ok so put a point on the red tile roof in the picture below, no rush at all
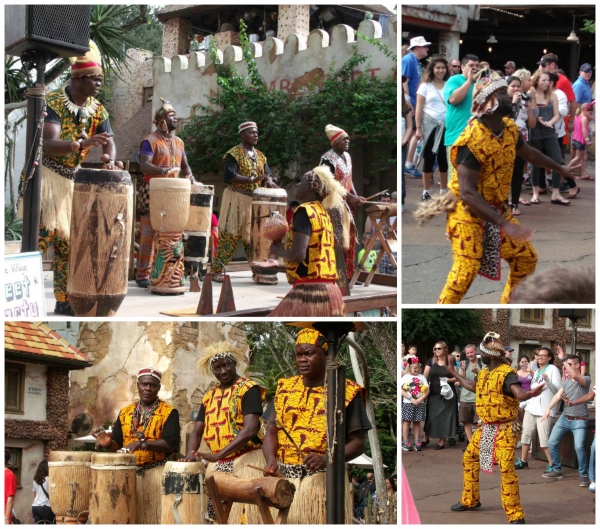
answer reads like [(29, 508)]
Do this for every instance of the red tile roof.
[(40, 341)]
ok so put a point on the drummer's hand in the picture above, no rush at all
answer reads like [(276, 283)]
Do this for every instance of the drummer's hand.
[(110, 166), (98, 140), (272, 468), (354, 200), (315, 461), (270, 183), (103, 438), (173, 172), (190, 457), (211, 458), (132, 447)]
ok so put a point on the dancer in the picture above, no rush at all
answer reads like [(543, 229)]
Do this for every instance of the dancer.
[(498, 393), (481, 228)]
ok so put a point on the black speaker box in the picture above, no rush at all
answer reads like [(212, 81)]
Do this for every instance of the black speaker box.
[(572, 313), (60, 30)]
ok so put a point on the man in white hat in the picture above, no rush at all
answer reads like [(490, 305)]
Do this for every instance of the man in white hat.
[(509, 69), (412, 70)]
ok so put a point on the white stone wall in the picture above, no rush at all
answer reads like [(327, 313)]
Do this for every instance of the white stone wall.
[(35, 394)]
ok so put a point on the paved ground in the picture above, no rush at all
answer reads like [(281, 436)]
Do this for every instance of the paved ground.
[(564, 236), (139, 303), (435, 479)]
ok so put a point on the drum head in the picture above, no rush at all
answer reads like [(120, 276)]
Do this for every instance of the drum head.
[(102, 176)]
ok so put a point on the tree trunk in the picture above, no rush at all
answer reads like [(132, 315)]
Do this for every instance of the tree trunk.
[(387, 346), (373, 437)]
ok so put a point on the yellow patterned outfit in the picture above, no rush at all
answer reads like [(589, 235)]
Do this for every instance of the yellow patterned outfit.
[(315, 291), (466, 230), (236, 210), (494, 407), (58, 173)]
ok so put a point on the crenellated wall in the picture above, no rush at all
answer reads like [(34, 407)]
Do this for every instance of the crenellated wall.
[(290, 66)]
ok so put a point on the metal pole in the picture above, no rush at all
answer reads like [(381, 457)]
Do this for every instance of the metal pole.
[(330, 489), (32, 198), (574, 336), (339, 459)]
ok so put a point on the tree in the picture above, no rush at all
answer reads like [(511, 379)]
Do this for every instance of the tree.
[(423, 327)]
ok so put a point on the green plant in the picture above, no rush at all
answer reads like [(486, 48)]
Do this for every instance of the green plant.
[(13, 225), (15, 79)]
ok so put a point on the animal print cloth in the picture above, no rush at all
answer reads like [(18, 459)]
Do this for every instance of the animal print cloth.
[(492, 240), (487, 446)]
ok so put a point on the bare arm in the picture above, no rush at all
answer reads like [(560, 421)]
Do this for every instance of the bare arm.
[(581, 400), (461, 92), (409, 129), (419, 116), (297, 252), (575, 374), (54, 146), (471, 385), (270, 447), (538, 159), (553, 403), (10, 503), (518, 392)]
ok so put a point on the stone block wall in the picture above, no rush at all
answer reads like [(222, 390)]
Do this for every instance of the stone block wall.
[(293, 19), (176, 37)]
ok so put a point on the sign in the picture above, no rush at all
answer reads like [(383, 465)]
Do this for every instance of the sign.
[(24, 286), (35, 391)]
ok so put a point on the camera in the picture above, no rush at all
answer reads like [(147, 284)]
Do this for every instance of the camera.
[(525, 97)]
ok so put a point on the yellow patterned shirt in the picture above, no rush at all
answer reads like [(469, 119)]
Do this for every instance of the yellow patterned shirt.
[(224, 416), (320, 263), (492, 405), (301, 410), (70, 129), (247, 167), (153, 431), (495, 155)]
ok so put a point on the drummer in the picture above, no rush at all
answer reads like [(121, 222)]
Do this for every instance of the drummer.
[(246, 169), (75, 121), (228, 418), (162, 155), (309, 253), (299, 407), (150, 429)]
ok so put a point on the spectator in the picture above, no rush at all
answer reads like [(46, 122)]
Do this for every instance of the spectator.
[(441, 411), (560, 353), (412, 70), (458, 93), (509, 69), (581, 138), (547, 374), (581, 87), (406, 131), (414, 388), (10, 489), (42, 513), (484, 65), (386, 198), (508, 351), (430, 117), (394, 197), (543, 136), (412, 353), (371, 258), (469, 368), (454, 67), (573, 419)]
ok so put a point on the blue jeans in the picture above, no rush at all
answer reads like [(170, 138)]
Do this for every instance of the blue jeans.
[(593, 461), (579, 429)]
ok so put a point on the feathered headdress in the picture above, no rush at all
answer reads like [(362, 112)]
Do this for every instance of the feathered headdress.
[(217, 351)]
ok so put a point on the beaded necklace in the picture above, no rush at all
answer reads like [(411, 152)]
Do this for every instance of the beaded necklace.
[(141, 417)]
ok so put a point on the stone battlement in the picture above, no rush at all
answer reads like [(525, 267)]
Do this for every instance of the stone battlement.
[(187, 80)]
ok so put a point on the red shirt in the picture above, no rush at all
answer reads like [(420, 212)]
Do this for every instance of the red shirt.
[(10, 486), (565, 85)]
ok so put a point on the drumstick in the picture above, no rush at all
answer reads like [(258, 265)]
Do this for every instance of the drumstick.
[(377, 194), (274, 474), (380, 203), (287, 434)]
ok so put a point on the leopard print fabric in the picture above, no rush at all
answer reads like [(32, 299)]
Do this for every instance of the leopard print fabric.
[(490, 260), (295, 471), (62, 170), (221, 466), (487, 445)]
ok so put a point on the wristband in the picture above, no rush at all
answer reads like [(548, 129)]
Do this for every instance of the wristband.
[(164, 171)]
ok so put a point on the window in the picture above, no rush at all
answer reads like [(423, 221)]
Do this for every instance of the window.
[(527, 349), (15, 463), (14, 388), (532, 316)]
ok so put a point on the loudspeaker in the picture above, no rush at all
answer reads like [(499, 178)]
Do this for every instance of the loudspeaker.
[(61, 30), (572, 313)]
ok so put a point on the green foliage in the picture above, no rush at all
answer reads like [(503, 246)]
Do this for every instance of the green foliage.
[(423, 327), (291, 126), (13, 226), (15, 79), (589, 26), (87, 447), (378, 44), (148, 36)]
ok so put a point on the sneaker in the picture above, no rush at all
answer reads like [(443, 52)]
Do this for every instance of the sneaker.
[(426, 196), (406, 446), (548, 468), (585, 482), (592, 486), (403, 208), (552, 474), (419, 448), (412, 171), (519, 464)]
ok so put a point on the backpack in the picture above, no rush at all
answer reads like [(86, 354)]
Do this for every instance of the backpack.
[(363, 491)]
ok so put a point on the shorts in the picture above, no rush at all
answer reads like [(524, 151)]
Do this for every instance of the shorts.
[(467, 413), (413, 413), (530, 423), (577, 145)]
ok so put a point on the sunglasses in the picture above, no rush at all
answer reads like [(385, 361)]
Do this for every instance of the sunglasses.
[(455, 65), (437, 348)]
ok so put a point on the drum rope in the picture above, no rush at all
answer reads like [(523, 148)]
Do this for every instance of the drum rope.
[(332, 363), (36, 92)]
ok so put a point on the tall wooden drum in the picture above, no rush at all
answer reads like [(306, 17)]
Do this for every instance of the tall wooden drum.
[(197, 231), (183, 498), (169, 213), (264, 202), (69, 486), (113, 491), (101, 218)]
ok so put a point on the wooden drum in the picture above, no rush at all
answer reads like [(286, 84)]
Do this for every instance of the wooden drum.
[(169, 204), (113, 491), (264, 202), (101, 220), (69, 491), (197, 231), (183, 498)]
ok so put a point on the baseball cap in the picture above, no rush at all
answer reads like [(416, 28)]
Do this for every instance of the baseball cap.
[(508, 348), (418, 41), (510, 64), (549, 57), (585, 67)]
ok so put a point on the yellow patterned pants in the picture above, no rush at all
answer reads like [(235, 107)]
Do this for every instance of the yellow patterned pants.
[(226, 248), (60, 263), (509, 490), (466, 234)]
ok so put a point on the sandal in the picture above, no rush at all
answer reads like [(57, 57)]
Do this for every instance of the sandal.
[(560, 201), (574, 195), (515, 211), (587, 178), (524, 202), (534, 201)]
